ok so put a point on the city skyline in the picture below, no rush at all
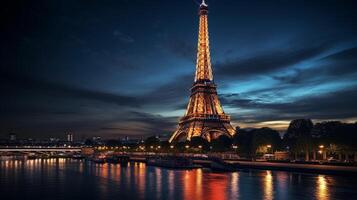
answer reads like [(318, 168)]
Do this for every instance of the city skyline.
[(99, 69)]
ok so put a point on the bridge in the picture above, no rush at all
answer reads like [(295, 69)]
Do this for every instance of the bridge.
[(40, 149)]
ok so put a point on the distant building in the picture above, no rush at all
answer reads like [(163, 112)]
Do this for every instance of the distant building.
[(69, 137), (281, 155), (12, 136), (54, 140), (96, 138), (128, 141)]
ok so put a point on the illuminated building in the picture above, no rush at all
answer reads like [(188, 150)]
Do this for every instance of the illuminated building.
[(204, 116), (69, 137)]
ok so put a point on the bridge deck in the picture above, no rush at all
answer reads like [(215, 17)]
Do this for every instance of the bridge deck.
[(47, 149)]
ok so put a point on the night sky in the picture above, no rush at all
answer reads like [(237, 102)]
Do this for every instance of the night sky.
[(124, 67)]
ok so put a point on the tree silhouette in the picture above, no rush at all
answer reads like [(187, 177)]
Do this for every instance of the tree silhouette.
[(199, 141), (222, 143), (298, 137)]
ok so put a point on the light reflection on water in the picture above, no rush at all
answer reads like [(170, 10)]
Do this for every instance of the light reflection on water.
[(234, 186), (73, 179), (268, 186), (171, 184), (322, 192)]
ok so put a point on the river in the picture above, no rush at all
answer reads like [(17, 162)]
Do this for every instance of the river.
[(66, 179)]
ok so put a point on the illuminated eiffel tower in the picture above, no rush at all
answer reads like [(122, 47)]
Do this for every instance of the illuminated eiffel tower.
[(204, 116)]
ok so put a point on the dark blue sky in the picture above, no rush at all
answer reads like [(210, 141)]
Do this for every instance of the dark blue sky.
[(124, 67)]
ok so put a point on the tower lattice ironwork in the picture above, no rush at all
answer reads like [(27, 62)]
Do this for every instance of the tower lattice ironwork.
[(204, 116)]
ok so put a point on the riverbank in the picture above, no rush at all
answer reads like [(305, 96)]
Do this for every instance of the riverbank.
[(291, 167)]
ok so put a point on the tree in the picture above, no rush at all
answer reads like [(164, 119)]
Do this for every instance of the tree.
[(152, 141), (243, 139), (298, 137), (88, 142), (339, 138), (250, 140), (222, 143), (199, 141), (113, 143), (266, 137)]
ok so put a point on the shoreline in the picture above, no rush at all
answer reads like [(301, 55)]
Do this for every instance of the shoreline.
[(290, 167), (276, 166)]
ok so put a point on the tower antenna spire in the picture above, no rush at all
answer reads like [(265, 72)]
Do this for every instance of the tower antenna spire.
[(203, 3)]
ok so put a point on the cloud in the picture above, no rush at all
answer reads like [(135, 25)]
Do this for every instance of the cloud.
[(142, 124), (267, 62), (171, 93), (124, 38), (334, 105), (16, 83), (41, 108), (346, 54), (337, 65)]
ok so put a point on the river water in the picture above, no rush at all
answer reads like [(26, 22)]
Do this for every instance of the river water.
[(68, 179)]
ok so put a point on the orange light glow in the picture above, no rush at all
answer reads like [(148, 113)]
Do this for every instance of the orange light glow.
[(322, 188)]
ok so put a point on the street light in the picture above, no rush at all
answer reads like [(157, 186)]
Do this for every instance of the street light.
[(187, 146), (172, 146), (200, 146), (268, 148), (235, 147), (321, 151)]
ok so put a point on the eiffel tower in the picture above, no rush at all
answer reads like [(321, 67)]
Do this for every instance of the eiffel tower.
[(204, 116)]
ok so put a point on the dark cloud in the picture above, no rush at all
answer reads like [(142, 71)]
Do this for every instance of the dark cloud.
[(335, 105), (123, 37), (43, 109), (136, 123), (337, 65), (85, 118), (267, 62), (344, 55), (14, 83), (171, 93), (341, 63), (141, 124)]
